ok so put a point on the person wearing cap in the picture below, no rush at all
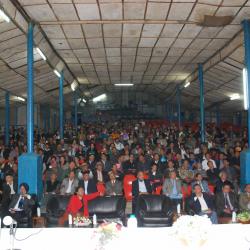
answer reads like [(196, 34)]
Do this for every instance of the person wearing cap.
[(89, 185), (21, 204)]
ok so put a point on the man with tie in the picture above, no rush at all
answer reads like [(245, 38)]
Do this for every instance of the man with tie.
[(202, 204), (203, 183), (226, 201), (113, 187), (139, 187), (172, 189), (87, 184), (21, 204)]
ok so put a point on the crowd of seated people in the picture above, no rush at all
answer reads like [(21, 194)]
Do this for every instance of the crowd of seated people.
[(163, 160)]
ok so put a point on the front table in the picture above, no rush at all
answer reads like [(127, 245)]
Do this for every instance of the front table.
[(230, 237)]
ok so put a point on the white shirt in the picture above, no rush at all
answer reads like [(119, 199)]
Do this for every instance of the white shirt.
[(203, 203), (86, 187), (16, 206), (99, 176), (12, 191), (205, 166), (142, 187), (69, 186)]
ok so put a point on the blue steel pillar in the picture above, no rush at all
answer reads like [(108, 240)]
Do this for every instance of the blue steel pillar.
[(202, 111), (7, 118), (245, 155), (16, 117), (75, 110), (61, 105), (30, 164), (178, 99)]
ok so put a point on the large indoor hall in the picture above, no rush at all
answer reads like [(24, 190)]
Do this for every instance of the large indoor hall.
[(124, 124)]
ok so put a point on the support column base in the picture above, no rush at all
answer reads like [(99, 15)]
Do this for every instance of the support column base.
[(30, 172)]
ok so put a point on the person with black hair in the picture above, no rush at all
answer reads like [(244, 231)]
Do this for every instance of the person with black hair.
[(21, 204)]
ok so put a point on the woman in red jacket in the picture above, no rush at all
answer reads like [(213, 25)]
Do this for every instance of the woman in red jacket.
[(78, 205)]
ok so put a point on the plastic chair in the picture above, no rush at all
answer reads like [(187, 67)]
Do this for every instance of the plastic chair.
[(158, 190), (101, 188), (127, 186)]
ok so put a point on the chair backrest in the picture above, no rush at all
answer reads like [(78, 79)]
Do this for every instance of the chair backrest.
[(152, 203), (106, 205), (101, 188), (58, 203), (158, 190), (127, 186), (211, 188)]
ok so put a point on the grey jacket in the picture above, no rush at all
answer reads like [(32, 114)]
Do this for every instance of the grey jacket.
[(65, 184), (167, 187), (114, 189)]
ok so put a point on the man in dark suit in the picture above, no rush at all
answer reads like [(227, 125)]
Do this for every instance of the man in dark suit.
[(87, 184), (129, 166), (113, 187), (8, 190), (226, 201), (21, 204), (139, 187), (202, 203)]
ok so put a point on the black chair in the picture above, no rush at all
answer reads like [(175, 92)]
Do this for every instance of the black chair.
[(108, 208), (154, 211), (104, 207), (56, 207)]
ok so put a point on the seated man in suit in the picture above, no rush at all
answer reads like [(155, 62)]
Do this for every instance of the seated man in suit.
[(100, 175), (244, 201), (212, 173), (201, 203), (89, 185), (21, 204), (139, 187), (9, 189), (226, 201), (172, 189), (203, 183), (113, 187), (69, 184)]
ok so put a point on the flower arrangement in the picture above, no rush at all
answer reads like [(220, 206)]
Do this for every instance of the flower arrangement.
[(105, 233), (244, 217), (80, 221), (192, 231)]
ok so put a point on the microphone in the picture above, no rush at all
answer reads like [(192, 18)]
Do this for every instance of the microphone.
[(8, 220)]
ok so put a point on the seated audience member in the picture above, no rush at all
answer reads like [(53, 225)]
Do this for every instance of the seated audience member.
[(129, 166), (212, 173), (99, 174), (89, 185), (172, 189), (155, 176), (197, 168), (69, 184), (21, 204), (229, 170), (9, 189), (78, 205), (244, 201), (170, 167), (226, 201), (206, 160), (203, 183), (202, 204), (84, 167), (117, 173), (106, 163), (143, 164), (186, 175), (139, 187), (113, 187), (52, 185), (222, 179)]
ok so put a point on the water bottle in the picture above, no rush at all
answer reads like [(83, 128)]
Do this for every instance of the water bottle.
[(233, 217), (94, 220), (70, 219), (38, 211), (132, 221)]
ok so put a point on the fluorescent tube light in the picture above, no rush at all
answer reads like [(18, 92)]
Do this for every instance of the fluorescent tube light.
[(100, 98), (41, 53), (124, 84), (245, 88), (57, 73), (187, 84), (4, 16)]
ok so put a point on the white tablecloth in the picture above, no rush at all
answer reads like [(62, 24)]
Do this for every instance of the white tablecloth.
[(230, 237)]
